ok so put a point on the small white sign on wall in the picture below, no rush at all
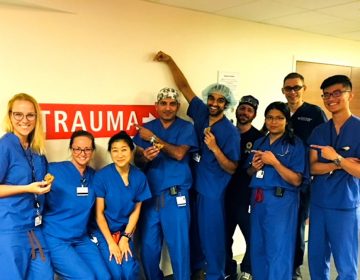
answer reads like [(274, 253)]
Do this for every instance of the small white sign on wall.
[(231, 80)]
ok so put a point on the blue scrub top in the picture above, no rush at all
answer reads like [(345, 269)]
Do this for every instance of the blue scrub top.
[(17, 212), (291, 156), (164, 171), (119, 199), (338, 190), (66, 215), (211, 180)]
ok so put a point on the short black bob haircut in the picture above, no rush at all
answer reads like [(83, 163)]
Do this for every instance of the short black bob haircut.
[(336, 79), (122, 135)]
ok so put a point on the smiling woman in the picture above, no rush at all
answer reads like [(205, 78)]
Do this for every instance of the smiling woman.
[(23, 167), (120, 190)]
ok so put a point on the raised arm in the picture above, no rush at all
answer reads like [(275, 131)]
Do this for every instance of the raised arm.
[(180, 80)]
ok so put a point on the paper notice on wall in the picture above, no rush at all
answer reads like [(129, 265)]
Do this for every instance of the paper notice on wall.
[(230, 79)]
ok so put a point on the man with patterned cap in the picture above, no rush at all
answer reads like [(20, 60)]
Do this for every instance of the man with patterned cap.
[(238, 192), (163, 147), (214, 164)]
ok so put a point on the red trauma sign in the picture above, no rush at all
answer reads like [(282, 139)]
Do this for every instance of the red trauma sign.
[(60, 120)]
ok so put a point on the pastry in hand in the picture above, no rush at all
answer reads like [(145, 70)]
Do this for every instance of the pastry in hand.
[(207, 129), (158, 145), (49, 178)]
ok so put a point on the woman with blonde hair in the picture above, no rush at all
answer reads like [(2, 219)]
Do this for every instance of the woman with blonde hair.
[(22, 185)]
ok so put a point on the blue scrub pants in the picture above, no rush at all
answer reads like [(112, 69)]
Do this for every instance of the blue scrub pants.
[(272, 235), (127, 270), (210, 213), (77, 259), (337, 232), (162, 218), (16, 261)]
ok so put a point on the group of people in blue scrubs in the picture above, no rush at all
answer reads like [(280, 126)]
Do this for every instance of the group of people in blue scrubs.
[(79, 224), (82, 224)]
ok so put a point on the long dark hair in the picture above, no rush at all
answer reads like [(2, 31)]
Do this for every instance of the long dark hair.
[(289, 136)]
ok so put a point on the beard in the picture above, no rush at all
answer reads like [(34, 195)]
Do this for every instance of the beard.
[(244, 120), (215, 113)]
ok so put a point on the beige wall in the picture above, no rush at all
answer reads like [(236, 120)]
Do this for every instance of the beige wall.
[(99, 51)]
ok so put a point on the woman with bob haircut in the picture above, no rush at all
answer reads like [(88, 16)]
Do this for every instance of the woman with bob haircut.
[(22, 185), (120, 189), (277, 168)]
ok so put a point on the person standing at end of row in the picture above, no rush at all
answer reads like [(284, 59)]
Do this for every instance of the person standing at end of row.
[(335, 190), (163, 148), (214, 164), (22, 171)]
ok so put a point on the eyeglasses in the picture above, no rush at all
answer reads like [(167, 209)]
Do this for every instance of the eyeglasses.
[(275, 119), (294, 88), (19, 116), (78, 151), (336, 93)]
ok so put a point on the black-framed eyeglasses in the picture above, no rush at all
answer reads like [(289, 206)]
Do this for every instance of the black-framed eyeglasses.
[(20, 115), (336, 93), (294, 88), (275, 119), (78, 151)]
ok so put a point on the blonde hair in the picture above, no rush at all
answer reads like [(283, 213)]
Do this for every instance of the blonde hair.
[(36, 138)]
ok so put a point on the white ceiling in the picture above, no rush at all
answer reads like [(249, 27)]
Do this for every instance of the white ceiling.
[(337, 18)]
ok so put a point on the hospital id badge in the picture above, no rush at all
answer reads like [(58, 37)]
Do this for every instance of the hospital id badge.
[(38, 220), (197, 157), (181, 201), (82, 191), (260, 174)]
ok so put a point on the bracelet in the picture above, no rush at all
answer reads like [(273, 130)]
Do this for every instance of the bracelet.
[(153, 139), (127, 235)]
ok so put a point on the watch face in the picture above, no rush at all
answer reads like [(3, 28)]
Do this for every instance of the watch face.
[(337, 161)]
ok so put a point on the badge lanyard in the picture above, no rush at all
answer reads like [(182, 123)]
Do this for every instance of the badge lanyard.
[(83, 190), (29, 159)]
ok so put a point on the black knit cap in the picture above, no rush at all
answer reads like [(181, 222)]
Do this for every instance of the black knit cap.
[(249, 100)]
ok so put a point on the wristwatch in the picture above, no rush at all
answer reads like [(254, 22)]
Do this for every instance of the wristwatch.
[(338, 160)]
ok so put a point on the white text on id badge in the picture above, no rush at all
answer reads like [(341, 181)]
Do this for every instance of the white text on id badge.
[(38, 220), (82, 191), (181, 200), (260, 174)]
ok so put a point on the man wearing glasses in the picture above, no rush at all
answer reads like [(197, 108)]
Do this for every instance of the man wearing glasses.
[(304, 118), (335, 190)]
